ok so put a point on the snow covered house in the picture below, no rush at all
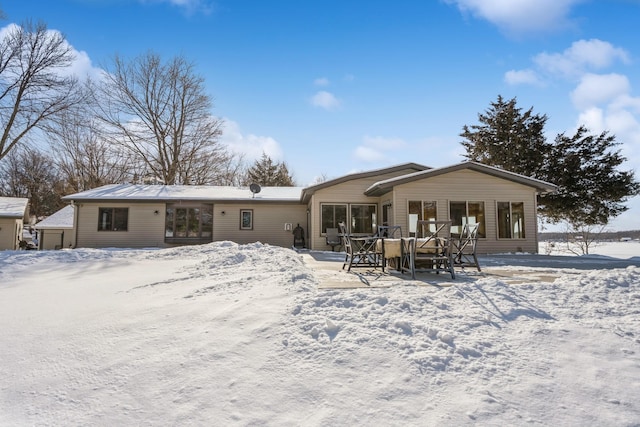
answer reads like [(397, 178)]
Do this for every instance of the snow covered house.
[(503, 203), (14, 213), (56, 231)]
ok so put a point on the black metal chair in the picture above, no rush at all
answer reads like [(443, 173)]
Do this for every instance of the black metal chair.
[(465, 247), (432, 248), (360, 251), (333, 239)]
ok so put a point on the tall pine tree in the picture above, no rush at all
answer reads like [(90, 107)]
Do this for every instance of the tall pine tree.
[(507, 138), (591, 188), (267, 173)]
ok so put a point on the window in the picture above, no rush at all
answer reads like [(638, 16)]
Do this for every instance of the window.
[(462, 213), (511, 220), (246, 219), (331, 215), (362, 218), (113, 219), (192, 223), (420, 211)]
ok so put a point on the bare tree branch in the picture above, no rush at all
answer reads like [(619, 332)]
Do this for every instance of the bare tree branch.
[(34, 88)]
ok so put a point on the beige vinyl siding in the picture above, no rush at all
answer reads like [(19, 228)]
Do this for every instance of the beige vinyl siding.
[(144, 229), (346, 193), (56, 238), (268, 222), (471, 186), (10, 230)]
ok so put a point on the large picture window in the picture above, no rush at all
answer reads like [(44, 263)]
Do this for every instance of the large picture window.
[(462, 213), (332, 215), (511, 220), (420, 210), (361, 219), (113, 219), (189, 223)]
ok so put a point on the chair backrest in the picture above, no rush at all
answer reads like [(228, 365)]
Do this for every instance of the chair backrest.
[(389, 231), (346, 241), (468, 238), (433, 234), (333, 236)]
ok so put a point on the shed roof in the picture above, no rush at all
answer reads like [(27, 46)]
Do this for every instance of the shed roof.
[(13, 207), (382, 187), (61, 219)]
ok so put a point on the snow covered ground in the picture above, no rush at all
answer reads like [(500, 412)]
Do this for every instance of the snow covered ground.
[(227, 334)]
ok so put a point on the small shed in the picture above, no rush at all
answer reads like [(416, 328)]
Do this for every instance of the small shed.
[(14, 212), (56, 231)]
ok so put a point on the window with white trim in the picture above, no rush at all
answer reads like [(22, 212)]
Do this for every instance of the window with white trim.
[(359, 218), (420, 210), (510, 220), (462, 213), (189, 222), (113, 219)]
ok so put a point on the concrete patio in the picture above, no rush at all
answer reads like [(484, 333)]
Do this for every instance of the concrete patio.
[(510, 268)]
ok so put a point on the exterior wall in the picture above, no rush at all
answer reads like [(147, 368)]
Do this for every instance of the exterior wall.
[(471, 186), (10, 232), (146, 229), (55, 238), (268, 222), (346, 192)]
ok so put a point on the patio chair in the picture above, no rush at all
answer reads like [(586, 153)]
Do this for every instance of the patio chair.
[(360, 251), (464, 248), (333, 239), (432, 248), (389, 231)]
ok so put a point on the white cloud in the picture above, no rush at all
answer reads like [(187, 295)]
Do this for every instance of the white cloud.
[(520, 16), (326, 100), (368, 154), (189, 6), (377, 148), (597, 89), (321, 81), (516, 77), (582, 56), (81, 66), (251, 146)]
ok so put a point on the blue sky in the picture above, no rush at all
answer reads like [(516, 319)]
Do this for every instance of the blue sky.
[(337, 86)]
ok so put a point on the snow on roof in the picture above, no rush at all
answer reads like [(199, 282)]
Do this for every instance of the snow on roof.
[(13, 207), (186, 192), (61, 219)]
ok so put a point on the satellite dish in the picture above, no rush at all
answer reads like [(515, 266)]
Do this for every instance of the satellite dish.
[(255, 189)]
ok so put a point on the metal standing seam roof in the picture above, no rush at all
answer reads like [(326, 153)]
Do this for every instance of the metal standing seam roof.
[(134, 192), (13, 207)]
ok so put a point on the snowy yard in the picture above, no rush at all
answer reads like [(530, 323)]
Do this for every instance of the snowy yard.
[(226, 334)]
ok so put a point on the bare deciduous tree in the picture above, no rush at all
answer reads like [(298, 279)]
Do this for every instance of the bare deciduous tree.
[(84, 158), (161, 112), (35, 85), (30, 173)]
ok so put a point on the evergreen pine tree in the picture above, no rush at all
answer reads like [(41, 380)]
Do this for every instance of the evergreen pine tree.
[(267, 173), (591, 189)]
